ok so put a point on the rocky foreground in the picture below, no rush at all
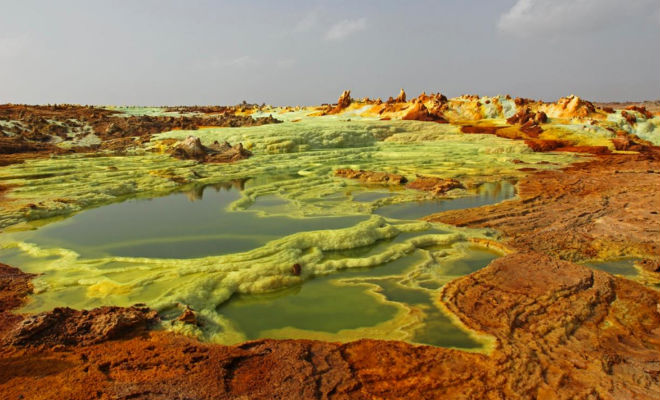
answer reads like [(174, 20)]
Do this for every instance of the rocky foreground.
[(562, 330)]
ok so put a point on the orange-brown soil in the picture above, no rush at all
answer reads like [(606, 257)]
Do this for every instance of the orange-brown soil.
[(530, 129), (14, 286), (599, 209)]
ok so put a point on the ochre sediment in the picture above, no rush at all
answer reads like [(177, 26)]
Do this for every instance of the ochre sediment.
[(602, 209)]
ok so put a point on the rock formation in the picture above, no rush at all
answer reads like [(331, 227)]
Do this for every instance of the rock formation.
[(343, 103), (434, 185), (371, 176), (344, 100), (192, 149), (570, 107), (640, 109), (188, 316), (401, 98), (419, 112)]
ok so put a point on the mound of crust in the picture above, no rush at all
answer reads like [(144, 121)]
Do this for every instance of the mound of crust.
[(192, 149), (371, 176), (570, 107), (435, 185)]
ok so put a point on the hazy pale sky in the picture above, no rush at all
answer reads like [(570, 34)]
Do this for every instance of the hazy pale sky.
[(306, 52)]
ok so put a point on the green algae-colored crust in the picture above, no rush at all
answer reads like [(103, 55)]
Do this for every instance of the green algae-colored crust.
[(206, 283), (310, 150), (292, 174)]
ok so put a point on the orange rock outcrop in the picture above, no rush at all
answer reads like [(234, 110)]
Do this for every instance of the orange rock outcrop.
[(371, 176)]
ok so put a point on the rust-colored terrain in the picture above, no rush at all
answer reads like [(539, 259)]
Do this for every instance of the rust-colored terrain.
[(561, 330), (604, 208), (35, 131)]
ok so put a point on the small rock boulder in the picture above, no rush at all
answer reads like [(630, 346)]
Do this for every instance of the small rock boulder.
[(188, 316)]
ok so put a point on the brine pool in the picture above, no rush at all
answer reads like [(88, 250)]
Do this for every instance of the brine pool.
[(375, 275)]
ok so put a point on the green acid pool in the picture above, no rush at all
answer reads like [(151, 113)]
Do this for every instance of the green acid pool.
[(363, 275), (625, 267)]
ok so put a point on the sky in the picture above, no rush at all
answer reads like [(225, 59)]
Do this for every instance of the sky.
[(289, 52)]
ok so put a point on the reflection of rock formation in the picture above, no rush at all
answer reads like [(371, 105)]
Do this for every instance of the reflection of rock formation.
[(197, 193), (490, 189)]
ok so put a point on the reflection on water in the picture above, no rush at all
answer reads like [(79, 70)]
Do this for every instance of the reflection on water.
[(197, 192), (625, 267), (352, 300), (486, 193), (370, 196), (396, 300), (195, 223)]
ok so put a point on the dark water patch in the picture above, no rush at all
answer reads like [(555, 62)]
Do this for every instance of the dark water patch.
[(193, 224), (625, 267), (347, 300), (486, 194), (320, 304), (367, 197)]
